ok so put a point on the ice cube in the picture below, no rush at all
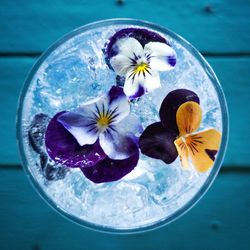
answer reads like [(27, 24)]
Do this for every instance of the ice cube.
[(37, 130), (51, 170)]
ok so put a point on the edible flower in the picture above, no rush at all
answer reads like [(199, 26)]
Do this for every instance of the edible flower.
[(140, 63), (93, 138), (176, 134)]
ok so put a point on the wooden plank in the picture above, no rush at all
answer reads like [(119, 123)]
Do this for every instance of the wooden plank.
[(212, 26), (233, 73), (219, 221), (13, 72), (234, 77)]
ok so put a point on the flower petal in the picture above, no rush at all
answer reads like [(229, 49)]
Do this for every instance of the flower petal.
[(152, 81), (116, 145), (137, 84), (133, 86), (188, 117), (129, 47), (158, 143), (162, 56), (109, 170), (121, 64), (81, 126), (82, 122), (183, 152), (118, 104), (170, 105), (142, 35), (202, 147), (63, 148)]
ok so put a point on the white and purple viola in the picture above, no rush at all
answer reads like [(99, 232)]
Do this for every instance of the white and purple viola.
[(139, 55)]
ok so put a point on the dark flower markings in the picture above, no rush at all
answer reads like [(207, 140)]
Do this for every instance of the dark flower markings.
[(134, 73), (137, 70), (98, 114), (193, 143)]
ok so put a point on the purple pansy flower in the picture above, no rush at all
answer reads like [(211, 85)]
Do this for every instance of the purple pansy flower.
[(93, 138), (140, 62), (157, 140)]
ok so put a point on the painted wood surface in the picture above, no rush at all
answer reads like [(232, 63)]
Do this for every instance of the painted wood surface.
[(215, 26), (13, 72), (219, 221)]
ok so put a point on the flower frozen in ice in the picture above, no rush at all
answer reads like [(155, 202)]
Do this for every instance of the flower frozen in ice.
[(140, 60), (96, 137), (176, 134)]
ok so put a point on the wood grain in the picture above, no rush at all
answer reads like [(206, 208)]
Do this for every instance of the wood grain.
[(215, 26), (222, 216), (232, 72)]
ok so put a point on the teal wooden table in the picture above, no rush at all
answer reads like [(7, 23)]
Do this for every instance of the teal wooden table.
[(220, 30)]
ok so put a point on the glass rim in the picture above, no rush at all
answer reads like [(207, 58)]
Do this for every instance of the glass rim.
[(219, 158)]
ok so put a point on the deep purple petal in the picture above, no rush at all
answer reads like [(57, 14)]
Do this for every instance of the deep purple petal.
[(115, 93), (111, 170), (170, 105), (158, 143), (63, 148), (142, 35)]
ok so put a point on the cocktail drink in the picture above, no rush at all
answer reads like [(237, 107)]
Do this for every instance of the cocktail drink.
[(122, 126)]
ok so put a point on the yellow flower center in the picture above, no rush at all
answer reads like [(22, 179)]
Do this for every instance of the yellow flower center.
[(140, 68), (103, 121)]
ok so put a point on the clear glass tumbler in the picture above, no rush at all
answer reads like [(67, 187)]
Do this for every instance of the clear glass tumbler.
[(73, 70)]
